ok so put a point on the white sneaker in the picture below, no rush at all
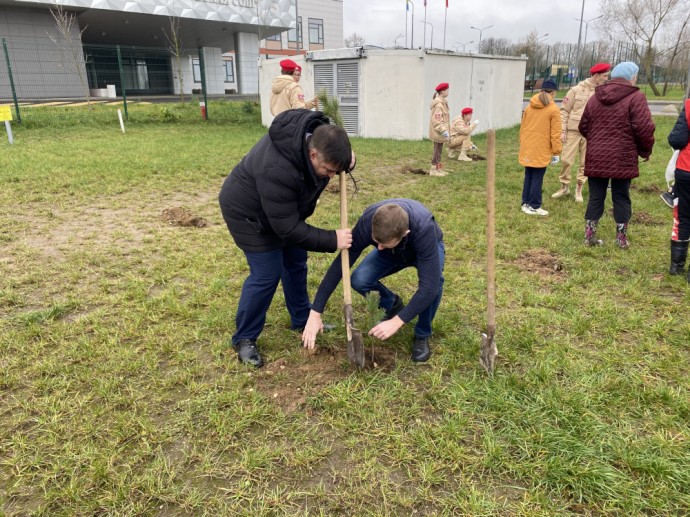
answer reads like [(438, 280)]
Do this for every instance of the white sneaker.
[(528, 210), (540, 211)]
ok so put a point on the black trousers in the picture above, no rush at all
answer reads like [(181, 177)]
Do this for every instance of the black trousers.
[(620, 194), (681, 208)]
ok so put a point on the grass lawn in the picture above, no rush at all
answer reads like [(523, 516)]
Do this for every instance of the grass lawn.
[(120, 394)]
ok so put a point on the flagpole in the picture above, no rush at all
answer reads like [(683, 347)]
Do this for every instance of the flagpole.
[(407, 9), (445, 20), (424, 25)]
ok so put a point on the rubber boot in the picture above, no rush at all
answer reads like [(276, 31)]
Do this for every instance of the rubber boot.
[(591, 233), (622, 236), (578, 193), (563, 191), (463, 156), (679, 253)]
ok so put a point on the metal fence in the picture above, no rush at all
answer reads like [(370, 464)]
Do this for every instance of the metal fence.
[(34, 70)]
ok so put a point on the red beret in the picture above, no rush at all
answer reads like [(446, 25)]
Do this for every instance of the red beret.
[(465, 111), (600, 68), (441, 87), (288, 65)]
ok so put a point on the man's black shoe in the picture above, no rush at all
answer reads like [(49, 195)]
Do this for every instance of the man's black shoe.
[(398, 305), (420, 349), (248, 352)]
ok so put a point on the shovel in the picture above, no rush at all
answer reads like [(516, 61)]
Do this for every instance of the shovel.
[(355, 345), (489, 351)]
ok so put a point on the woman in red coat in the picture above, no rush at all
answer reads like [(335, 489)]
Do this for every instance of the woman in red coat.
[(618, 127)]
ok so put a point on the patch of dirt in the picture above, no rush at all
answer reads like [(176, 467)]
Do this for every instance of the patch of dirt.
[(642, 217), (542, 262), (333, 187), (179, 216), (649, 189), (290, 383), (410, 170)]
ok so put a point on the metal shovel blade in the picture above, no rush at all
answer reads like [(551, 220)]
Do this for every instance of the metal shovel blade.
[(355, 343), (488, 352)]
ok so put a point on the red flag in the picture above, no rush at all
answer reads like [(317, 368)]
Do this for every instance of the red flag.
[(446, 4)]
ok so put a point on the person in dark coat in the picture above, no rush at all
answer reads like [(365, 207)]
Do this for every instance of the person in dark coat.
[(679, 139), (265, 202), (618, 127), (405, 234)]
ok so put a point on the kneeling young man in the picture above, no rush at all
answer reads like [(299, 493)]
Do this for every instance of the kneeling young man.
[(404, 234)]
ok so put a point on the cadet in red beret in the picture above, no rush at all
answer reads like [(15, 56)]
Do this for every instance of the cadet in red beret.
[(288, 65), (460, 130), (439, 127), (574, 143), (286, 93), (600, 68)]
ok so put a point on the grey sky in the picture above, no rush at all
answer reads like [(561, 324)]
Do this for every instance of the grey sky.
[(380, 21)]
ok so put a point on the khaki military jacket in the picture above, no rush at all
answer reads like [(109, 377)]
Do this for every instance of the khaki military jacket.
[(440, 120), (286, 94), (574, 103), (460, 132)]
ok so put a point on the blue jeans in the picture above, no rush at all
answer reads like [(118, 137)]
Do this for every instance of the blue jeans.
[(531, 188), (287, 265), (376, 265)]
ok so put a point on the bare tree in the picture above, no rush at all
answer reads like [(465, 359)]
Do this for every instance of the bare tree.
[(641, 23), (354, 40), (496, 47), (172, 35), (68, 41)]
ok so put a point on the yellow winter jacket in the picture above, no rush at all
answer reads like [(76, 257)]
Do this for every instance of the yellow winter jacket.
[(440, 120), (540, 133)]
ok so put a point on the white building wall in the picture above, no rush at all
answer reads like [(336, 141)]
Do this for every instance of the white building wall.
[(40, 67), (397, 86)]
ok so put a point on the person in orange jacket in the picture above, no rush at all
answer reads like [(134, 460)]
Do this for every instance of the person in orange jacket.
[(540, 144)]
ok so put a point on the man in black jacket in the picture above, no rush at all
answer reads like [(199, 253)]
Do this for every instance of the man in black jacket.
[(265, 202), (405, 234)]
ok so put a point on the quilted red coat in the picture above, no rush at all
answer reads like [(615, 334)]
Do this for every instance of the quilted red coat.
[(618, 127)]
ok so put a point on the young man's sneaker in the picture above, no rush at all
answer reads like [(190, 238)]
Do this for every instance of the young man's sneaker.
[(540, 211), (248, 352), (420, 349), (667, 198), (528, 210)]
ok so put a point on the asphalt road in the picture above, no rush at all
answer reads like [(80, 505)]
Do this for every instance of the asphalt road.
[(656, 107)]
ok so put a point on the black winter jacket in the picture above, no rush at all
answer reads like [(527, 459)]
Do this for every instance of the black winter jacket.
[(268, 195)]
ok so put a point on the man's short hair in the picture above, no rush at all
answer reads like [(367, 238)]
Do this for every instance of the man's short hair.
[(333, 144), (390, 222)]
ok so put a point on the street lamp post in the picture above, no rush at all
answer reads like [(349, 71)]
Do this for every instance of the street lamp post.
[(463, 45), (586, 22), (479, 45), (409, 2), (432, 33)]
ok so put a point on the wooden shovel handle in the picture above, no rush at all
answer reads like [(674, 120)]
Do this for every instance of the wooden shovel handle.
[(344, 255), (491, 230)]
